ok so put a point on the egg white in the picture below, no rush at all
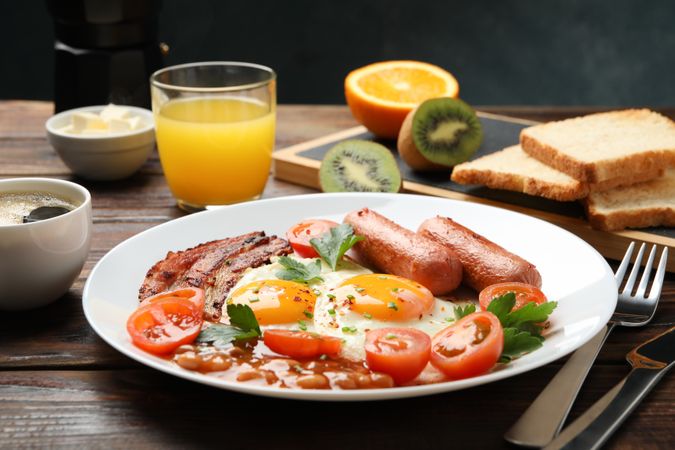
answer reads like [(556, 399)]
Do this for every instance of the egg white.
[(334, 319)]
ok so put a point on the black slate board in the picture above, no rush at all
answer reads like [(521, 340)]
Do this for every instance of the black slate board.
[(498, 134)]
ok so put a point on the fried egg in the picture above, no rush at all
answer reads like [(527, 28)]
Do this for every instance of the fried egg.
[(346, 303)]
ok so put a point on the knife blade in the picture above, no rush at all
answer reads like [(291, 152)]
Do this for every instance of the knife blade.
[(650, 361)]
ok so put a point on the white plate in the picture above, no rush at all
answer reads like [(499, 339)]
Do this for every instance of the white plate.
[(573, 273)]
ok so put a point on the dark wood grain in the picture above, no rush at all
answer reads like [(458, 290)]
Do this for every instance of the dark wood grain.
[(62, 386)]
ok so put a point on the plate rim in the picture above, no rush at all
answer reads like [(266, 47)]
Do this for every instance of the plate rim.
[(339, 395)]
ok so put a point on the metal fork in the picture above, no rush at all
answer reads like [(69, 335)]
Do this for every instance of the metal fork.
[(544, 418)]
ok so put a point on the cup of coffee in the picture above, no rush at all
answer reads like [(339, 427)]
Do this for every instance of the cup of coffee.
[(45, 233)]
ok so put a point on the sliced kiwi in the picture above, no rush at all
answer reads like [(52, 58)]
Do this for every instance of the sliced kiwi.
[(359, 166), (446, 131)]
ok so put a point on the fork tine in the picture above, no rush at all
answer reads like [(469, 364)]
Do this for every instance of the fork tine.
[(634, 272), (621, 271), (645, 275), (655, 291)]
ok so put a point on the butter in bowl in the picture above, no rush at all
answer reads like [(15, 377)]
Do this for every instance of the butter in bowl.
[(103, 143)]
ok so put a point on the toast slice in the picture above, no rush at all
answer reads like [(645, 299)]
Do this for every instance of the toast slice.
[(626, 145), (514, 170), (647, 204)]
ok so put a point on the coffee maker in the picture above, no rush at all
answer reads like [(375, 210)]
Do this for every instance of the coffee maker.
[(105, 51)]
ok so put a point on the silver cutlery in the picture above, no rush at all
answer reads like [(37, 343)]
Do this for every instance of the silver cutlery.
[(650, 362), (544, 418)]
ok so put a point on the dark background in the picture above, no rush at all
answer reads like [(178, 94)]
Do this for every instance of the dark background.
[(574, 52)]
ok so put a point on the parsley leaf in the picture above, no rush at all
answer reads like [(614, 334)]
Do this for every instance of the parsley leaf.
[(464, 311), (296, 271), (502, 305), (518, 343), (243, 325), (334, 244), (522, 332)]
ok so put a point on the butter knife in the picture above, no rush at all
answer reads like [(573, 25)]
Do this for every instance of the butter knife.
[(650, 361)]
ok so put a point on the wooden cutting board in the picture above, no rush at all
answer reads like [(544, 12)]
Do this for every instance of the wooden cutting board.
[(300, 163)]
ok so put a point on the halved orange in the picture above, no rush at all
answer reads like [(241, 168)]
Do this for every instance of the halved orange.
[(380, 95)]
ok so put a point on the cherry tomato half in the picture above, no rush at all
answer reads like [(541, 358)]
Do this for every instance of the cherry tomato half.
[(468, 348), (301, 344), (164, 325), (400, 352), (193, 294), (525, 293), (300, 234)]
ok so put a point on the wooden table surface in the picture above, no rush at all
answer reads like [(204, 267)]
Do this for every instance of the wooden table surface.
[(62, 386)]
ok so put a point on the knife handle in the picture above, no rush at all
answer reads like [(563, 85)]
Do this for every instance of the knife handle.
[(545, 416), (596, 425)]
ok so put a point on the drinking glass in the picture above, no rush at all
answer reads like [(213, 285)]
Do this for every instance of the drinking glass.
[(214, 123)]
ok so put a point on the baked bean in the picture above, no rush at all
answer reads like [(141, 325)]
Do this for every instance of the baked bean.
[(216, 363), (270, 376), (184, 349), (189, 361), (249, 375), (314, 381), (345, 380)]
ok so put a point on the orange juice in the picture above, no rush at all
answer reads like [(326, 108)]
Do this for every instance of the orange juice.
[(215, 150)]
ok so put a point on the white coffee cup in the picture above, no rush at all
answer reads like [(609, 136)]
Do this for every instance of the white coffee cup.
[(39, 261)]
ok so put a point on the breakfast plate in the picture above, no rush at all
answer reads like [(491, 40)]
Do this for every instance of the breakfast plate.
[(573, 274)]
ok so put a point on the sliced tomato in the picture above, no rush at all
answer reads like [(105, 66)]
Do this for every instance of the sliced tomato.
[(400, 352), (470, 347), (525, 293), (300, 234), (193, 294), (165, 324), (301, 344)]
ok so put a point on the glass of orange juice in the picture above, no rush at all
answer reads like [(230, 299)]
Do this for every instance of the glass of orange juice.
[(215, 130)]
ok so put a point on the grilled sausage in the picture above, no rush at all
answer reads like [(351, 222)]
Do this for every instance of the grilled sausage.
[(484, 262), (390, 248)]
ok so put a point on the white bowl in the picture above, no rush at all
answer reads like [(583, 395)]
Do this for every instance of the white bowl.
[(40, 260), (102, 157)]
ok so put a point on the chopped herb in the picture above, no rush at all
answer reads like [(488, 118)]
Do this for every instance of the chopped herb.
[(382, 277), (334, 244), (350, 297), (449, 319), (256, 290), (330, 296), (367, 316), (392, 305), (394, 289), (349, 329), (294, 270), (359, 289), (464, 311), (390, 336), (243, 325), (254, 300), (308, 314), (331, 312), (302, 325)]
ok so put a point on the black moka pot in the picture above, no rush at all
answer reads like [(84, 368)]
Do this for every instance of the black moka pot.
[(105, 51)]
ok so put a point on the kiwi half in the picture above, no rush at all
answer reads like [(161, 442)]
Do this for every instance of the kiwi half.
[(359, 166), (446, 131)]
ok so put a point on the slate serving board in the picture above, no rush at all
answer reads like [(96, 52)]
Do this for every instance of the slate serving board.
[(299, 164)]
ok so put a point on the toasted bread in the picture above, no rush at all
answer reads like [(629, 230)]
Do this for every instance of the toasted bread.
[(647, 204), (513, 170), (623, 145)]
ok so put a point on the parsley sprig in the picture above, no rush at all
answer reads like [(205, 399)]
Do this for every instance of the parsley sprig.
[(522, 329), (334, 244), (294, 270), (243, 325), (464, 311)]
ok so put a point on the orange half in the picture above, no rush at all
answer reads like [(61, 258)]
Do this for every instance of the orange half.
[(380, 95)]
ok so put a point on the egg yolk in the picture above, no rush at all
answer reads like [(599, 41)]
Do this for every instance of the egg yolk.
[(386, 297), (276, 301)]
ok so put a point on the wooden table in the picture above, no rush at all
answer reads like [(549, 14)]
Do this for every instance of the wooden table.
[(62, 386)]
